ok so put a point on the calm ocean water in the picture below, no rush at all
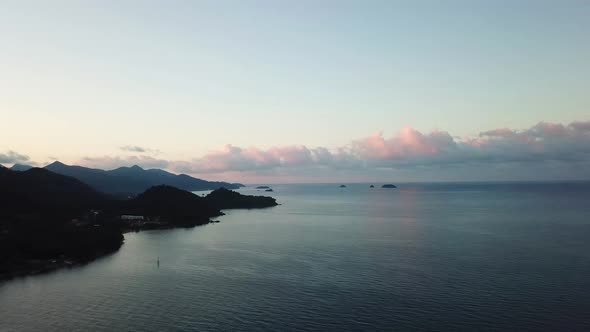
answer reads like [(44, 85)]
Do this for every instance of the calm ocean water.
[(438, 257)]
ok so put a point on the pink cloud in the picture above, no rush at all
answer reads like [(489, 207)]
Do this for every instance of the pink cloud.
[(408, 148), (406, 144)]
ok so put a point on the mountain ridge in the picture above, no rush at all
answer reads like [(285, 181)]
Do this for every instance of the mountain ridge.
[(20, 167), (133, 180)]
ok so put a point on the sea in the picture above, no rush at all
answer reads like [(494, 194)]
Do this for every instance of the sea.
[(422, 257)]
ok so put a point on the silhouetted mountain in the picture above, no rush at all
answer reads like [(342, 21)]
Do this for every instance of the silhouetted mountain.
[(39, 190), (172, 205), (99, 179), (37, 229), (160, 177), (228, 199), (388, 186), (134, 180), (20, 167)]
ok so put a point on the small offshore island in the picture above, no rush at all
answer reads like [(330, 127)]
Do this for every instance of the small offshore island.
[(49, 220)]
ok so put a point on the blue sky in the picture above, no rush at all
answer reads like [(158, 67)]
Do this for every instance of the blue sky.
[(183, 79)]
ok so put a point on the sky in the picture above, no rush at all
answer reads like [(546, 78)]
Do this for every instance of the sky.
[(300, 91)]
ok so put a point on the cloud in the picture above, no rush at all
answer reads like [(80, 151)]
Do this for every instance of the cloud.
[(544, 147), (500, 132), (133, 148), (581, 126), (112, 162), (409, 148), (406, 145), (138, 149), (11, 157), (233, 158), (542, 142)]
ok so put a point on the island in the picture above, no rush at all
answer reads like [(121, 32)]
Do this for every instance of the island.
[(263, 187), (371, 186), (49, 221), (342, 186), (269, 190), (389, 186)]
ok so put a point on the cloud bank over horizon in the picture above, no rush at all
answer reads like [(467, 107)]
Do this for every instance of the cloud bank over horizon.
[(409, 148), (560, 147), (553, 144)]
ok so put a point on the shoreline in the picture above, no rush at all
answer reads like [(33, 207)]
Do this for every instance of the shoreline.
[(36, 267), (75, 243)]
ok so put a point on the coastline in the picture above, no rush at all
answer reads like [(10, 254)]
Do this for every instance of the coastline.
[(35, 267), (45, 243)]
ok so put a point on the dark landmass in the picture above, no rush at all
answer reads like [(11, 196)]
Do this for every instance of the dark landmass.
[(261, 187), (342, 186), (48, 220), (20, 167), (171, 206), (133, 180), (39, 190), (388, 186), (228, 199), (269, 190), (39, 211), (371, 186)]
